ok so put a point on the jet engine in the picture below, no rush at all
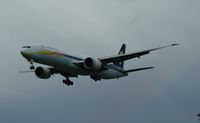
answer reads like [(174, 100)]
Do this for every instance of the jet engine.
[(43, 73), (92, 64)]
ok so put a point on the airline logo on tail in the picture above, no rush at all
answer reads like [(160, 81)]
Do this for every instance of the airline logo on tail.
[(121, 51)]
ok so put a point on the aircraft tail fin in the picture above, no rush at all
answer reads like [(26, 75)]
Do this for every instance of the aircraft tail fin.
[(121, 51)]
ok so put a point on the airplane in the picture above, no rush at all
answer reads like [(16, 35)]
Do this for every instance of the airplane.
[(58, 62)]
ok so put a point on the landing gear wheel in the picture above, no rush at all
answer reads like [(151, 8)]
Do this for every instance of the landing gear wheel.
[(68, 82), (32, 67), (71, 83)]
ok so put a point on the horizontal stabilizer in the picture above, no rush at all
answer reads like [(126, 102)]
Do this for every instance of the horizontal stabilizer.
[(28, 71), (138, 69)]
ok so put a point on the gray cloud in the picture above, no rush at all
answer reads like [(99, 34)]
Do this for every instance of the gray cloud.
[(168, 93)]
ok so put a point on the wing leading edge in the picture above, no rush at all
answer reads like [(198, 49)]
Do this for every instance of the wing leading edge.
[(127, 56)]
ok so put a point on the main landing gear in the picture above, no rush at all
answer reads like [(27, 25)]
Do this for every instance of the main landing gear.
[(68, 82), (95, 78)]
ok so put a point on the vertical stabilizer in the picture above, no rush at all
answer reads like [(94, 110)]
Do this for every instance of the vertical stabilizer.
[(121, 51)]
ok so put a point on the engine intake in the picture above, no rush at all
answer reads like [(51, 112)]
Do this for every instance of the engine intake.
[(42, 73), (92, 64)]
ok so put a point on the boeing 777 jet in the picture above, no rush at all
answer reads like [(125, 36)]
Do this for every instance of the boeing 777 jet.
[(111, 67)]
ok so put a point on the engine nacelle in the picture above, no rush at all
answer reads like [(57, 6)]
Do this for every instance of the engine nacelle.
[(92, 64), (42, 73)]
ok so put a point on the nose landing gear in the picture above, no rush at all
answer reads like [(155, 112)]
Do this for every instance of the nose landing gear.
[(68, 82), (32, 67)]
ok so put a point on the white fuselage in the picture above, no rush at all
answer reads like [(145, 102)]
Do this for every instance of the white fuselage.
[(65, 62)]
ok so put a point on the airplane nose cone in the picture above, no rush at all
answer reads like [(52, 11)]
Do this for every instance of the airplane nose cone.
[(25, 54)]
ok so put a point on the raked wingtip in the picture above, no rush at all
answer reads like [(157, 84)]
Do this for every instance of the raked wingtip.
[(174, 44)]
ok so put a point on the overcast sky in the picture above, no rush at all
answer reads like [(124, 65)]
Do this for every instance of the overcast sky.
[(167, 94)]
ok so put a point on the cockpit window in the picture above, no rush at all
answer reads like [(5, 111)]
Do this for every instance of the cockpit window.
[(26, 47)]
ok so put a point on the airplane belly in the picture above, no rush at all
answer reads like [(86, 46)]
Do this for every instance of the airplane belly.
[(56, 61), (111, 74)]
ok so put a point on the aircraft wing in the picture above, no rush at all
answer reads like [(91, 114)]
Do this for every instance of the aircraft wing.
[(57, 71), (127, 56), (53, 71), (138, 69)]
